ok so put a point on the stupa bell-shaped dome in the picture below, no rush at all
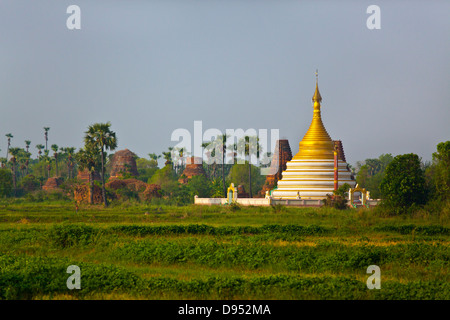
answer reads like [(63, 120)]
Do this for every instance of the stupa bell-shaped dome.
[(317, 143), (311, 172)]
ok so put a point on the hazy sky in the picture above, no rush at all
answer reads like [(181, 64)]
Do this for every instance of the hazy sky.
[(150, 67)]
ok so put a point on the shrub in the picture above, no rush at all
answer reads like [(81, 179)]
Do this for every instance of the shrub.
[(64, 236)]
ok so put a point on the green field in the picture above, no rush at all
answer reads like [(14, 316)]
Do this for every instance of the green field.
[(191, 252)]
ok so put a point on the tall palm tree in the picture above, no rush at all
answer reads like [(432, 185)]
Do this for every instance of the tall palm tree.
[(70, 152), (46, 136), (26, 157), (88, 158), (39, 147), (99, 135), (48, 161), (27, 144), (9, 136), (251, 146), (168, 156), (207, 145), (55, 155), (181, 153), (14, 152), (223, 139)]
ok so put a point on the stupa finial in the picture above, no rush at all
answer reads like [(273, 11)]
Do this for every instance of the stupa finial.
[(317, 97)]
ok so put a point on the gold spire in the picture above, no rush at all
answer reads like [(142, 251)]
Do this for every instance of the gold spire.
[(317, 97), (316, 144)]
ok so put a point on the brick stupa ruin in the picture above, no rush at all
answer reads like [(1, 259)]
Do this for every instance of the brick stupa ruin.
[(194, 167), (281, 156), (84, 175), (123, 163)]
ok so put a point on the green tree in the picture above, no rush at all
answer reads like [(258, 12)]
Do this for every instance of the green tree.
[(239, 175), (89, 158), (168, 157), (14, 153), (441, 177), (3, 162), (219, 146), (250, 146), (200, 186), (46, 129), (48, 162), (70, 160), (40, 147), (6, 182), (27, 145), (29, 183), (146, 168), (9, 136), (165, 177), (154, 159), (404, 182), (55, 155), (371, 173), (101, 137)]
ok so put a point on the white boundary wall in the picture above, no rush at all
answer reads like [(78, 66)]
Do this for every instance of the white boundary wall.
[(267, 202), (260, 202)]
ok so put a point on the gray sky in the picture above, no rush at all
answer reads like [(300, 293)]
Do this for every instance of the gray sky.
[(150, 67)]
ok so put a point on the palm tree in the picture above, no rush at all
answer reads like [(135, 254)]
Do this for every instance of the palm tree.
[(46, 136), (14, 152), (55, 155), (207, 145), (223, 139), (9, 136), (87, 158), (27, 157), (48, 161), (181, 154), (39, 147), (251, 146), (70, 152), (3, 162), (168, 156), (100, 136), (27, 144), (154, 157)]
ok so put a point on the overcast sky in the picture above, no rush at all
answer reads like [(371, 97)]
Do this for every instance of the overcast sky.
[(150, 67)]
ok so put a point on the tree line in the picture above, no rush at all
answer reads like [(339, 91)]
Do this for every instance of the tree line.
[(20, 174), (401, 181)]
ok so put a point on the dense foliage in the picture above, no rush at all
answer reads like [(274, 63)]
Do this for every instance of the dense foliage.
[(404, 182)]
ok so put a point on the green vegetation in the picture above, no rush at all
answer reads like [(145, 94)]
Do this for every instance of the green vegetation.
[(163, 247), (371, 173), (404, 182), (190, 252)]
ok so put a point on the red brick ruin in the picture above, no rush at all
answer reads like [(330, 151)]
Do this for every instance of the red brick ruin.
[(281, 156)]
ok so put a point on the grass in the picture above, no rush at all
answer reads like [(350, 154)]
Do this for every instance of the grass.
[(164, 252)]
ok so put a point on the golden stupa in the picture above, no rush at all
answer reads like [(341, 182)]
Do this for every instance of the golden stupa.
[(311, 172)]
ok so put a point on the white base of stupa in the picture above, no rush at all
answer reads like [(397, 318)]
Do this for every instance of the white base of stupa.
[(311, 179)]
